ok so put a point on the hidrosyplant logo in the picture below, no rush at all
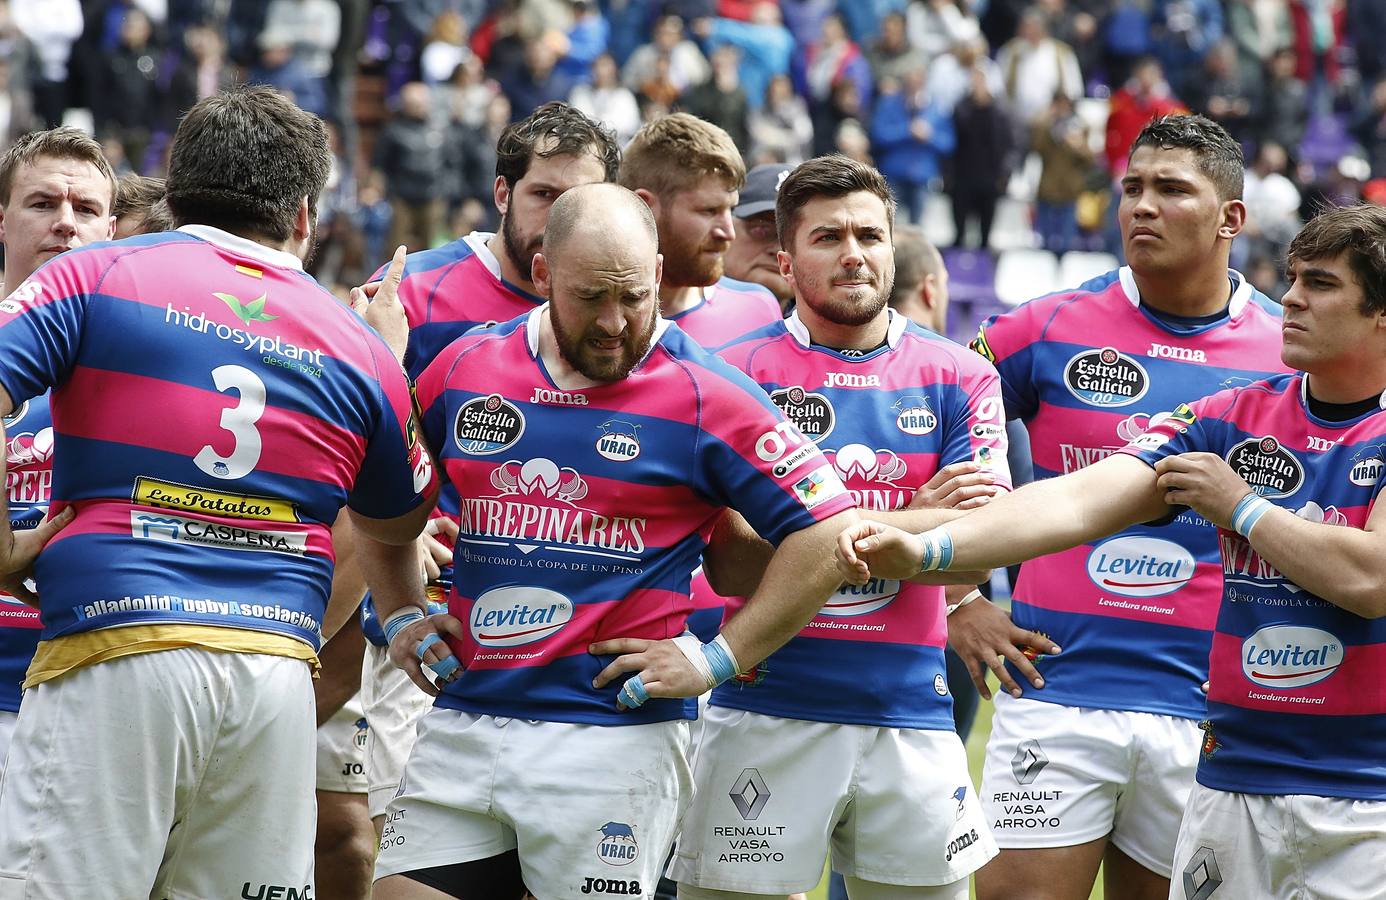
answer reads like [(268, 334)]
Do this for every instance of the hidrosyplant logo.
[(254, 311)]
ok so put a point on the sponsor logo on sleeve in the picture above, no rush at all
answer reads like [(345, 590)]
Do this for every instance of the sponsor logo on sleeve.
[(180, 530), (1105, 378), (24, 296), (1140, 566), (811, 413), (1290, 656), (818, 487), (486, 425), (171, 495), (517, 615), (1270, 469)]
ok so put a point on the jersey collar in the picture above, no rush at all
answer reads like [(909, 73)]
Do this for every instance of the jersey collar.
[(244, 246), (894, 329), (1304, 392), (1241, 294)]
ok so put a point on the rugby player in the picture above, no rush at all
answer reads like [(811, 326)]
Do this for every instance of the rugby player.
[(848, 727), (754, 252), (1290, 798), (586, 507), (56, 193), (689, 172), (214, 409), (1097, 766)]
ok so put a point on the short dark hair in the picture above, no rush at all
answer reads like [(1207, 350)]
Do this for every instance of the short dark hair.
[(242, 161), (826, 176), (136, 194), (554, 129), (1219, 156), (55, 143), (915, 260), (1360, 231)]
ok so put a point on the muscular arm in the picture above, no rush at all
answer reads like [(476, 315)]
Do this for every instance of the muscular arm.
[(1345, 566), (341, 669), (348, 584)]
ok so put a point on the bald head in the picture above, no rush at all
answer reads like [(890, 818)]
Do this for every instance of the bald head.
[(604, 215)]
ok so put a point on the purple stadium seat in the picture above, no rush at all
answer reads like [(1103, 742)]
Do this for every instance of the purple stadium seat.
[(1325, 141)]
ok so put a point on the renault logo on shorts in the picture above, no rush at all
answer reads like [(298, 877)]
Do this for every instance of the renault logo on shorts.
[(1201, 875), (749, 794), (1028, 762)]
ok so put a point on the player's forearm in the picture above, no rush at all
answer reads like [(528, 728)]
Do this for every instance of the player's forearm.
[(917, 520), (392, 573), (800, 578), (1345, 566), (348, 584), (341, 670)]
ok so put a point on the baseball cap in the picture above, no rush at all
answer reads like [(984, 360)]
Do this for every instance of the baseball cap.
[(762, 184)]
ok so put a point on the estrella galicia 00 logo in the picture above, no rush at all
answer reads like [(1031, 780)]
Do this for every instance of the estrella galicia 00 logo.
[(811, 413), (1270, 469), (617, 846), (487, 425), (1106, 378)]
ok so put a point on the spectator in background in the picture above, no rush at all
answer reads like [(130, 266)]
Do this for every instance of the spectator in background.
[(1366, 25), (981, 160), (754, 253), (416, 154), (892, 54), (1066, 162), (659, 95), (282, 70), (1286, 112), (477, 151), (538, 80), (722, 99), (138, 198), (465, 97), (1075, 22), (1318, 41), (51, 27), (310, 28), (937, 26), (201, 70), (910, 136), (686, 65), (765, 45), (1259, 28), (1125, 38), (1232, 95), (844, 104), (445, 48), (608, 101), (832, 58), (781, 130), (1184, 32), (1369, 126), (587, 39), (1035, 66), (1145, 97), (1272, 206), (127, 105), (950, 75)]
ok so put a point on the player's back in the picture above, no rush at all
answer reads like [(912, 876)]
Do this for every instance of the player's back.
[(216, 408)]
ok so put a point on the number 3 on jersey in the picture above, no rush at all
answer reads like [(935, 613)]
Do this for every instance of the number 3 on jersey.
[(240, 421)]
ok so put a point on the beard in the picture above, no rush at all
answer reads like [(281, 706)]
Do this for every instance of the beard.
[(521, 252), (862, 305), (574, 349), (688, 264)]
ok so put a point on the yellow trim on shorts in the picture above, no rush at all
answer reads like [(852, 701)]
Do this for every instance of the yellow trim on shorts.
[(59, 656)]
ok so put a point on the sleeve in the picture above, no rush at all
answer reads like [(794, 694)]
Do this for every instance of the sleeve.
[(1185, 430), (977, 425), (41, 328), (748, 457), (1007, 342), (431, 403), (397, 473)]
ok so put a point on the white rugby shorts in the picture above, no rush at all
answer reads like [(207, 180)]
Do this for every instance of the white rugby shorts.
[(1279, 847), (393, 706), (342, 750), (7, 722), (1057, 776), (592, 809), (771, 795), (184, 773)]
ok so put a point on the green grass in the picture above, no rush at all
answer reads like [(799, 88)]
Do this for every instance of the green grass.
[(976, 749)]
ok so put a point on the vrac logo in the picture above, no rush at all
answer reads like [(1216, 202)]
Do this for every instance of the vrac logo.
[(916, 415), (1367, 464), (1290, 656), (619, 440), (617, 846), (1184, 354), (1140, 566), (517, 615)]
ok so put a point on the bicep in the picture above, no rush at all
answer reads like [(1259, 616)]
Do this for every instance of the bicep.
[(1116, 492)]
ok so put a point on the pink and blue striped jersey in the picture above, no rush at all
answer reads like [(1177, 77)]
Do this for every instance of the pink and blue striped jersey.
[(584, 512), (28, 487), (451, 289), (887, 420), (1297, 686), (1088, 371), (728, 310), (213, 410)]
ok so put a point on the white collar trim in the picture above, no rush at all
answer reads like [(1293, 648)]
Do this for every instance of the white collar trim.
[(894, 329), (1241, 294), (244, 246)]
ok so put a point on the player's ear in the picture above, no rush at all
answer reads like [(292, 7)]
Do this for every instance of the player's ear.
[(1233, 219), (303, 220), (500, 194), (651, 200), (786, 265), (539, 275)]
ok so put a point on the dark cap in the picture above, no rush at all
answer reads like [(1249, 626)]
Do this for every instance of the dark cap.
[(762, 184)]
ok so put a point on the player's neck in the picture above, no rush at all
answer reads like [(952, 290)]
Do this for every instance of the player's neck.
[(510, 274), (844, 337), (1204, 293), (1347, 381), (677, 298)]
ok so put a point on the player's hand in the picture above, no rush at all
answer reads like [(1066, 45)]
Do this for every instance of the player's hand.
[(984, 637), (662, 667), (962, 485), (21, 548), (433, 553), (869, 550), (378, 302), (404, 649), (1204, 482)]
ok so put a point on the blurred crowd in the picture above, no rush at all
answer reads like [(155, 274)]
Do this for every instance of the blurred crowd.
[(995, 105)]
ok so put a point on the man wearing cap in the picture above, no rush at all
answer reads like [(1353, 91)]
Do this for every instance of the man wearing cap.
[(752, 255)]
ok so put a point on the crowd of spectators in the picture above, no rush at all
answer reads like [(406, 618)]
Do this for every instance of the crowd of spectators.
[(947, 97)]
